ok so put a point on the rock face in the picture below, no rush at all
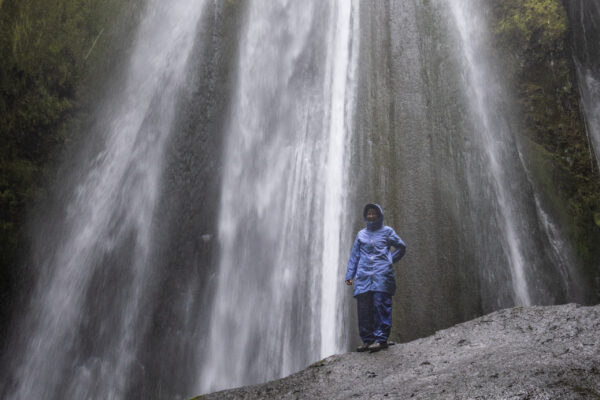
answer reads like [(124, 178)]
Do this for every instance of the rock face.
[(520, 353)]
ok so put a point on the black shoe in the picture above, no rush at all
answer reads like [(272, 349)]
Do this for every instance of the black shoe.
[(377, 346), (363, 347)]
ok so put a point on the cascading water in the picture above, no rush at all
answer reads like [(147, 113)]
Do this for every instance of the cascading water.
[(276, 305), (499, 149), (585, 22), (540, 263), (589, 87), (585, 18), (86, 317), (316, 117)]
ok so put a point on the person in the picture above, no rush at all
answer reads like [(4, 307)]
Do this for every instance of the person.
[(371, 272)]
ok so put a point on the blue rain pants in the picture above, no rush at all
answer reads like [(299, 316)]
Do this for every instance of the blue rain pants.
[(374, 316)]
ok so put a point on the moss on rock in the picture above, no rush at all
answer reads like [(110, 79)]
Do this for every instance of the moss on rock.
[(50, 54), (534, 36)]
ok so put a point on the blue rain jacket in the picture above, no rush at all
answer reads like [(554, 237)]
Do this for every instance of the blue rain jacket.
[(371, 259)]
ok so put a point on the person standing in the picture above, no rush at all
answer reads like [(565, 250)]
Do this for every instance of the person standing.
[(371, 272)]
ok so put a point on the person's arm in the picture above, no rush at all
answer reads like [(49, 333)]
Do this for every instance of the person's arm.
[(353, 262), (399, 246)]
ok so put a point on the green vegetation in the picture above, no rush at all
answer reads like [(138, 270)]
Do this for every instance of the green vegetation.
[(50, 52), (535, 37)]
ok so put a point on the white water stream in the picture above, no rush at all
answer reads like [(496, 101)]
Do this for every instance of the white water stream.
[(276, 300), (281, 222), (110, 212), (482, 87), (589, 88), (588, 69)]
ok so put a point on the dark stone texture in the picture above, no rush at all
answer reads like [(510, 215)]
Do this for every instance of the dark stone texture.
[(520, 353)]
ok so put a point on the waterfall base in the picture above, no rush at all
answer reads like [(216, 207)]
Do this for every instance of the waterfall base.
[(532, 352)]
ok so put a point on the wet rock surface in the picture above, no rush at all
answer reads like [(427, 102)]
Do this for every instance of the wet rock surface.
[(520, 353)]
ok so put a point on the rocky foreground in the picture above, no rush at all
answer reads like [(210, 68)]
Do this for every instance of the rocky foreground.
[(520, 353)]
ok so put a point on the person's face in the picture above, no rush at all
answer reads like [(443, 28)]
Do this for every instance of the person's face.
[(372, 215)]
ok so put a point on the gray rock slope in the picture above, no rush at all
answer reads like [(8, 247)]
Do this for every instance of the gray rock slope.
[(520, 353)]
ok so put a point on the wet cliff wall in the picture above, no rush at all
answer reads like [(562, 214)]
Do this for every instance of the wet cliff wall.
[(413, 150), (540, 42)]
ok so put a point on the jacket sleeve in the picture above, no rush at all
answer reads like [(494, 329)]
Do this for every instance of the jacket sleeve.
[(353, 262), (400, 247)]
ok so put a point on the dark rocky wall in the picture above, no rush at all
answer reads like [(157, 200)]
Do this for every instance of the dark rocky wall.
[(408, 119), (412, 142)]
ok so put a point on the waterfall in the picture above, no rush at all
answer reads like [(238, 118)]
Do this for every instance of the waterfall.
[(85, 321), (542, 268), (585, 22), (276, 306), (200, 239), (589, 87), (585, 19), (497, 141)]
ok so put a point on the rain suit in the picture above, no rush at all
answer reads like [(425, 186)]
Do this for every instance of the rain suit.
[(370, 266), (371, 260)]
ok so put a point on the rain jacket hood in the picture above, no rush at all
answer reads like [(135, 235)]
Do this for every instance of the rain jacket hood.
[(378, 223), (371, 259)]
